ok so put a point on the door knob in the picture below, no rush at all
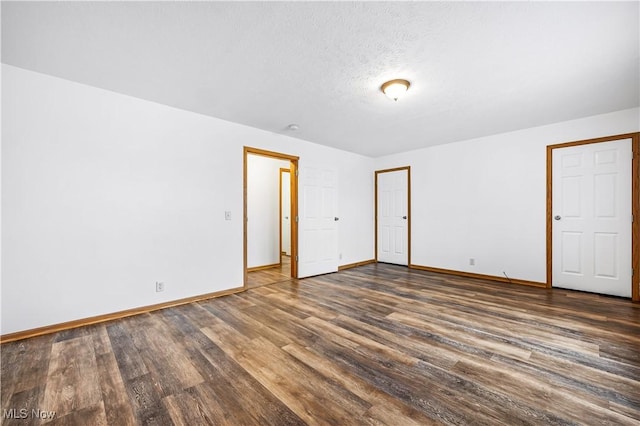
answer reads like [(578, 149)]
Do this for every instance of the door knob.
[(558, 217), (404, 217), (336, 219)]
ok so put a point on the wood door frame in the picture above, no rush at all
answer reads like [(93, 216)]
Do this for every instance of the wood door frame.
[(635, 204), (396, 169), (293, 160), (283, 170)]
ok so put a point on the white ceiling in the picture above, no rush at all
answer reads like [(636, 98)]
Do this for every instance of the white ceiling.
[(476, 68)]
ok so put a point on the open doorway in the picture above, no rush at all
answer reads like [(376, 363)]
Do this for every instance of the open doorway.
[(270, 209)]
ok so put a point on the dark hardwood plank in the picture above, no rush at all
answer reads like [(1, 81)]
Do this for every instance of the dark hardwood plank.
[(130, 362), (101, 342), (114, 394), (73, 381), (146, 401)]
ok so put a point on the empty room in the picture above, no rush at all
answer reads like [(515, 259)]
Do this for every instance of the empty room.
[(320, 213)]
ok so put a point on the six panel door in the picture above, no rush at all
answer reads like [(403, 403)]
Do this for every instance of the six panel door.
[(592, 216), (318, 223)]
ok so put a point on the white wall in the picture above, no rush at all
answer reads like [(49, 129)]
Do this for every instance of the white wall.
[(263, 210), (104, 194), (486, 198)]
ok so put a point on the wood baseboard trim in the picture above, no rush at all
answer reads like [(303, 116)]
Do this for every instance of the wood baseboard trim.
[(20, 335), (480, 276), (263, 267), (356, 264)]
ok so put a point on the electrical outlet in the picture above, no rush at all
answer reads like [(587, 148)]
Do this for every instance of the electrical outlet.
[(159, 286), (340, 256), (227, 215), (472, 261)]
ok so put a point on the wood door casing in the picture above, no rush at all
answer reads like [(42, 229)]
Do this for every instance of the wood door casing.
[(635, 205), (377, 237), (294, 205)]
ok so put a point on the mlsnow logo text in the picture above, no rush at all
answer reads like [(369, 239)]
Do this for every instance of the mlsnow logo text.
[(23, 413)]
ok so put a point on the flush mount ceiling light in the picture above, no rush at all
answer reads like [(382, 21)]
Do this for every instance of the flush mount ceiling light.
[(395, 88), (293, 127)]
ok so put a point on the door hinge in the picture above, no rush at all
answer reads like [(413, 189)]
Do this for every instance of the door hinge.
[(296, 172), (296, 219), (296, 258)]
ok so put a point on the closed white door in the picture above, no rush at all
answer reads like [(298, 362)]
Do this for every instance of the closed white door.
[(591, 243), (393, 216), (285, 209), (318, 222)]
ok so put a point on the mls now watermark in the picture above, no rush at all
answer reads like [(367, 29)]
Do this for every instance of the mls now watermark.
[(23, 413)]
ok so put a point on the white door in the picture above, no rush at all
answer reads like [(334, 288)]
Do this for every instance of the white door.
[(393, 217), (592, 217), (318, 221), (285, 197)]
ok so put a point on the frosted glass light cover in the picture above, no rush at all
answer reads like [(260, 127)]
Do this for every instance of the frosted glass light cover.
[(395, 88)]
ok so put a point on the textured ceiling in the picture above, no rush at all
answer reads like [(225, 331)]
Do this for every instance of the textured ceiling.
[(476, 68)]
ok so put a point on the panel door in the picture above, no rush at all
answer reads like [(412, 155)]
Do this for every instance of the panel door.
[(591, 226), (392, 217), (318, 221)]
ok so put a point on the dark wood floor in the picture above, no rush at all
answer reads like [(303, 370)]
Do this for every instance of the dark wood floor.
[(378, 344)]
